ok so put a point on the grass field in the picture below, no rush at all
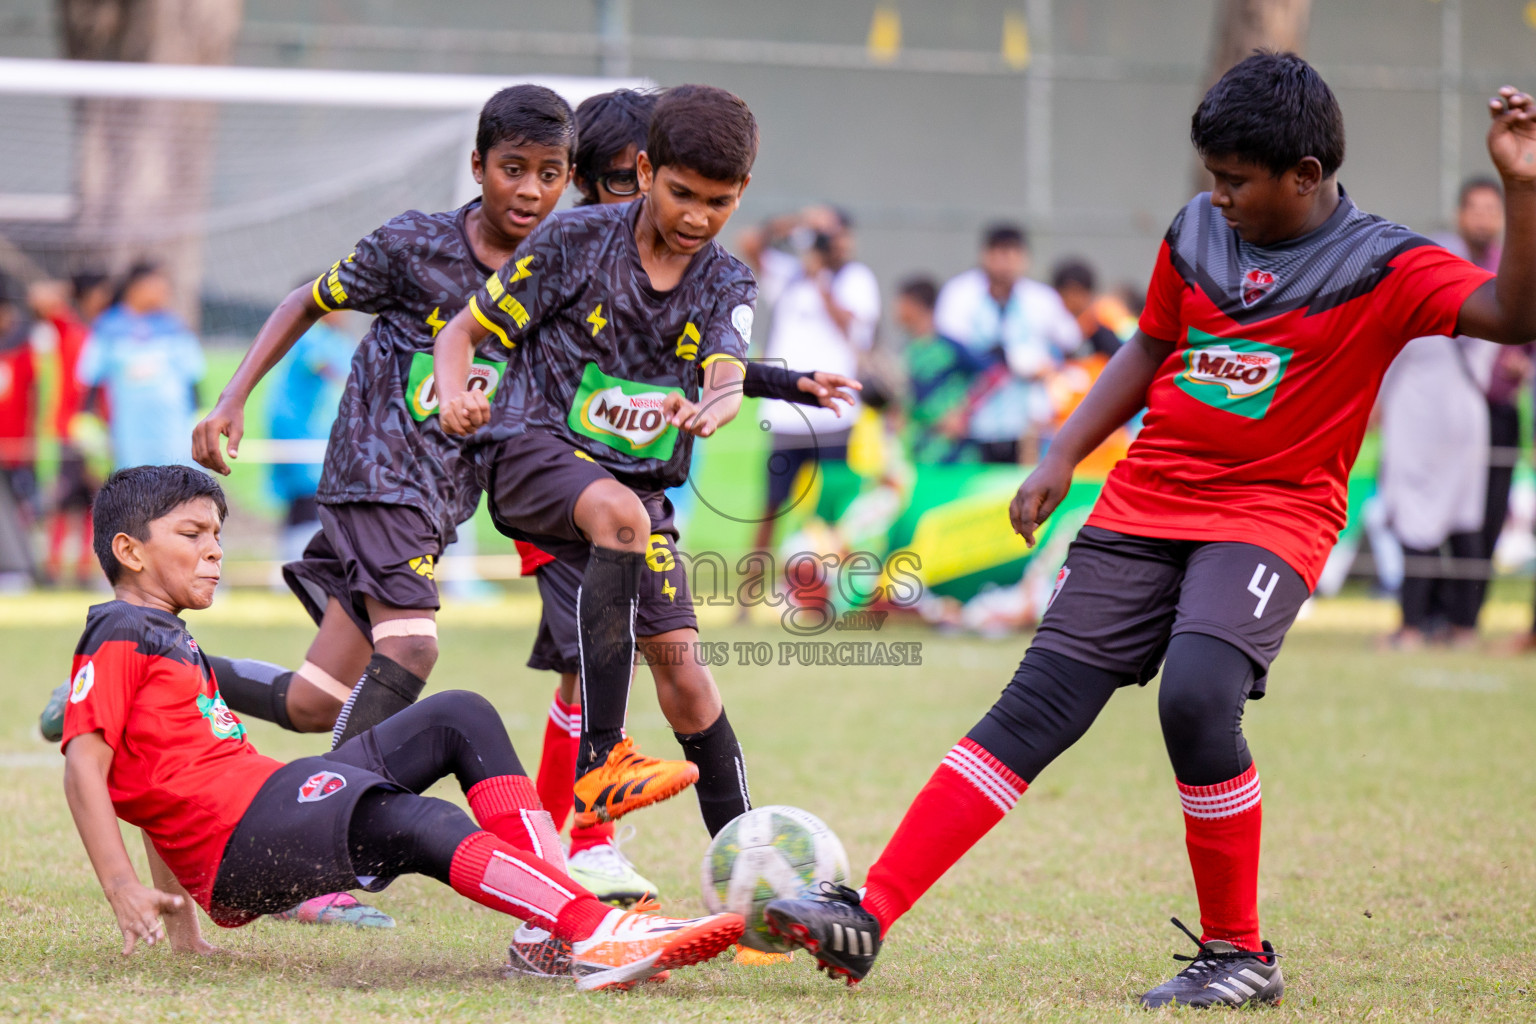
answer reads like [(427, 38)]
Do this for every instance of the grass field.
[(1398, 879)]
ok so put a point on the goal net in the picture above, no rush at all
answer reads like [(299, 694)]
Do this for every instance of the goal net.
[(239, 180)]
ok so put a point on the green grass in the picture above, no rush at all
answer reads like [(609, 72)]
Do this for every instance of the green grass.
[(1398, 874)]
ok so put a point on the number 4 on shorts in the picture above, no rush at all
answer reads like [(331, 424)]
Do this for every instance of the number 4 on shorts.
[(1262, 594)]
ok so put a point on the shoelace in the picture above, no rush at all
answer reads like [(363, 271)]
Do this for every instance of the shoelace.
[(831, 892), (1206, 959)]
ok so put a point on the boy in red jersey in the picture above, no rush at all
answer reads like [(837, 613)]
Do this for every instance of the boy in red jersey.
[(1275, 308), (149, 739)]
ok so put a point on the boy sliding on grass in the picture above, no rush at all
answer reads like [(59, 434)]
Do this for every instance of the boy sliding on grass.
[(1275, 308), (149, 739), (617, 320)]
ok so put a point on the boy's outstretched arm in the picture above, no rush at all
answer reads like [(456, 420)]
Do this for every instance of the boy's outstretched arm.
[(1504, 309), (1118, 394), (719, 399), (293, 316), (87, 760), (460, 410)]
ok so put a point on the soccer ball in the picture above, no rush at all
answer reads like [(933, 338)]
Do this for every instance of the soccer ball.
[(769, 853)]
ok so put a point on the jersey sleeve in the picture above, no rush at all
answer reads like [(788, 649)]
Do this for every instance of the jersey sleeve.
[(1162, 317), (528, 287), (1424, 291), (857, 291), (108, 672), (729, 330), (361, 281)]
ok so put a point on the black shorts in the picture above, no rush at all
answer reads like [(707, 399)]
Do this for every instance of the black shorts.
[(557, 648), (1119, 599), (291, 843), (792, 451), (531, 484), (386, 552)]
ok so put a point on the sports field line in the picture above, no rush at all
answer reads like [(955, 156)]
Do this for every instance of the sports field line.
[(519, 606)]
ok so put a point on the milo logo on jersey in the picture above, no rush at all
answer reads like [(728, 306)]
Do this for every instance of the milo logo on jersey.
[(421, 389), (220, 719), (623, 414), (1234, 374)]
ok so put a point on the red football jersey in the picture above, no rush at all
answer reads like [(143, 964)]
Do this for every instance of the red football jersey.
[(532, 557), (182, 769), (1255, 418)]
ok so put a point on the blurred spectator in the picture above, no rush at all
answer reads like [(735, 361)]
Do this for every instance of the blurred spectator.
[(939, 372), (67, 307), (1075, 282), (1433, 482), (1501, 369), (306, 388), (825, 307), (1023, 328), (149, 363), (18, 405)]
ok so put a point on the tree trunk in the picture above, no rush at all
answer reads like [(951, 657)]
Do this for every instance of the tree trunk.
[(142, 166), (1243, 26)]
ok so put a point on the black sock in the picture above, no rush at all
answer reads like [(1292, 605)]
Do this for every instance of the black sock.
[(722, 785), (385, 688), (605, 621), (257, 689)]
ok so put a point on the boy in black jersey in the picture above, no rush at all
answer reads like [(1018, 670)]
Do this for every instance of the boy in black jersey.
[(394, 487), (625, 328), (612, 130)]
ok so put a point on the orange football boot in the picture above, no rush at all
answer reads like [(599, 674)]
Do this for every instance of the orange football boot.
[(628, 781), (631, 946)]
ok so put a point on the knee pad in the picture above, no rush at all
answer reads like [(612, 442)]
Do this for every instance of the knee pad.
[(1200, 705)]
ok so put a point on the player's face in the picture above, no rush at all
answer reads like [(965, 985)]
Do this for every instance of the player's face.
[(179, 564), (621, 174), (1261, 207), (1480, 220), (520, 184), (687, 208)]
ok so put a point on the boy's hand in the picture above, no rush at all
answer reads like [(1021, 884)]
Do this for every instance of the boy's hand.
[(138, 909), (465, 413), (687, 417), (1512, 135), (829, 389), (227, 419), (1038, 497)]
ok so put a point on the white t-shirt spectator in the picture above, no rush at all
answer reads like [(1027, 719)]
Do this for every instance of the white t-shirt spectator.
[(805, 336), (1035, 333)]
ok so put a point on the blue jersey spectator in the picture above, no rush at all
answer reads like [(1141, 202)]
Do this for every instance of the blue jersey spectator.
[(149, 363), (301, 406)]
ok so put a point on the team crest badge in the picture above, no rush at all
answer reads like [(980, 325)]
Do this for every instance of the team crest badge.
[(81, 685), (1061, 581), (321, 785), (1256, 285), (220, 719)]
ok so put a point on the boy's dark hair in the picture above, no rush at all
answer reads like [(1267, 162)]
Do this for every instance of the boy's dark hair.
[(1004, 234), (1476, 184), (705, 129), (133, 498), (136, 273), (1272, 109), (606, 124), (921, 289), (528, 114), (1074, 271)]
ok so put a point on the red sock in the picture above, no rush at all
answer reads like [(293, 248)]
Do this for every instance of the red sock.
[(507, 807), (557, 763), (1221, 829), (969, 793), (593, 835), (496, 874)]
